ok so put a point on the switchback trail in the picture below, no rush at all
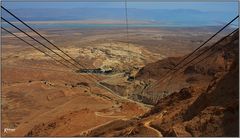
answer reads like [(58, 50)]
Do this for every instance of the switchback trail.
[(147, 125)]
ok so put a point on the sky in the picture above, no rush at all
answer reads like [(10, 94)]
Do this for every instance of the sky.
[(230, 6)]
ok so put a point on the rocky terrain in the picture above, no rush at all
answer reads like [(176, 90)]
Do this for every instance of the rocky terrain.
[(200, 109), (42, 98)]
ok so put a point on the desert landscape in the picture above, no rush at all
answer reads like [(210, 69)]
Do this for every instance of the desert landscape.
[(119, 69), (43, 98)]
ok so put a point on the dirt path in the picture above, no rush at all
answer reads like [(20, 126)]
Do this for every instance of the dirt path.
[(103, 115), (147, 124), (110, 116), (84, 133)]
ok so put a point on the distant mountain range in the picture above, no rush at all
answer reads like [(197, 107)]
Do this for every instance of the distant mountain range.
[(178, 16)]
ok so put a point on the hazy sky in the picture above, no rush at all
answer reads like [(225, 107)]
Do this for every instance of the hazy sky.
[(202, 6)]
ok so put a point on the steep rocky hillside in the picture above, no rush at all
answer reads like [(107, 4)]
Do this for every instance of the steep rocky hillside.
[(209, 109), (199, 73)]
